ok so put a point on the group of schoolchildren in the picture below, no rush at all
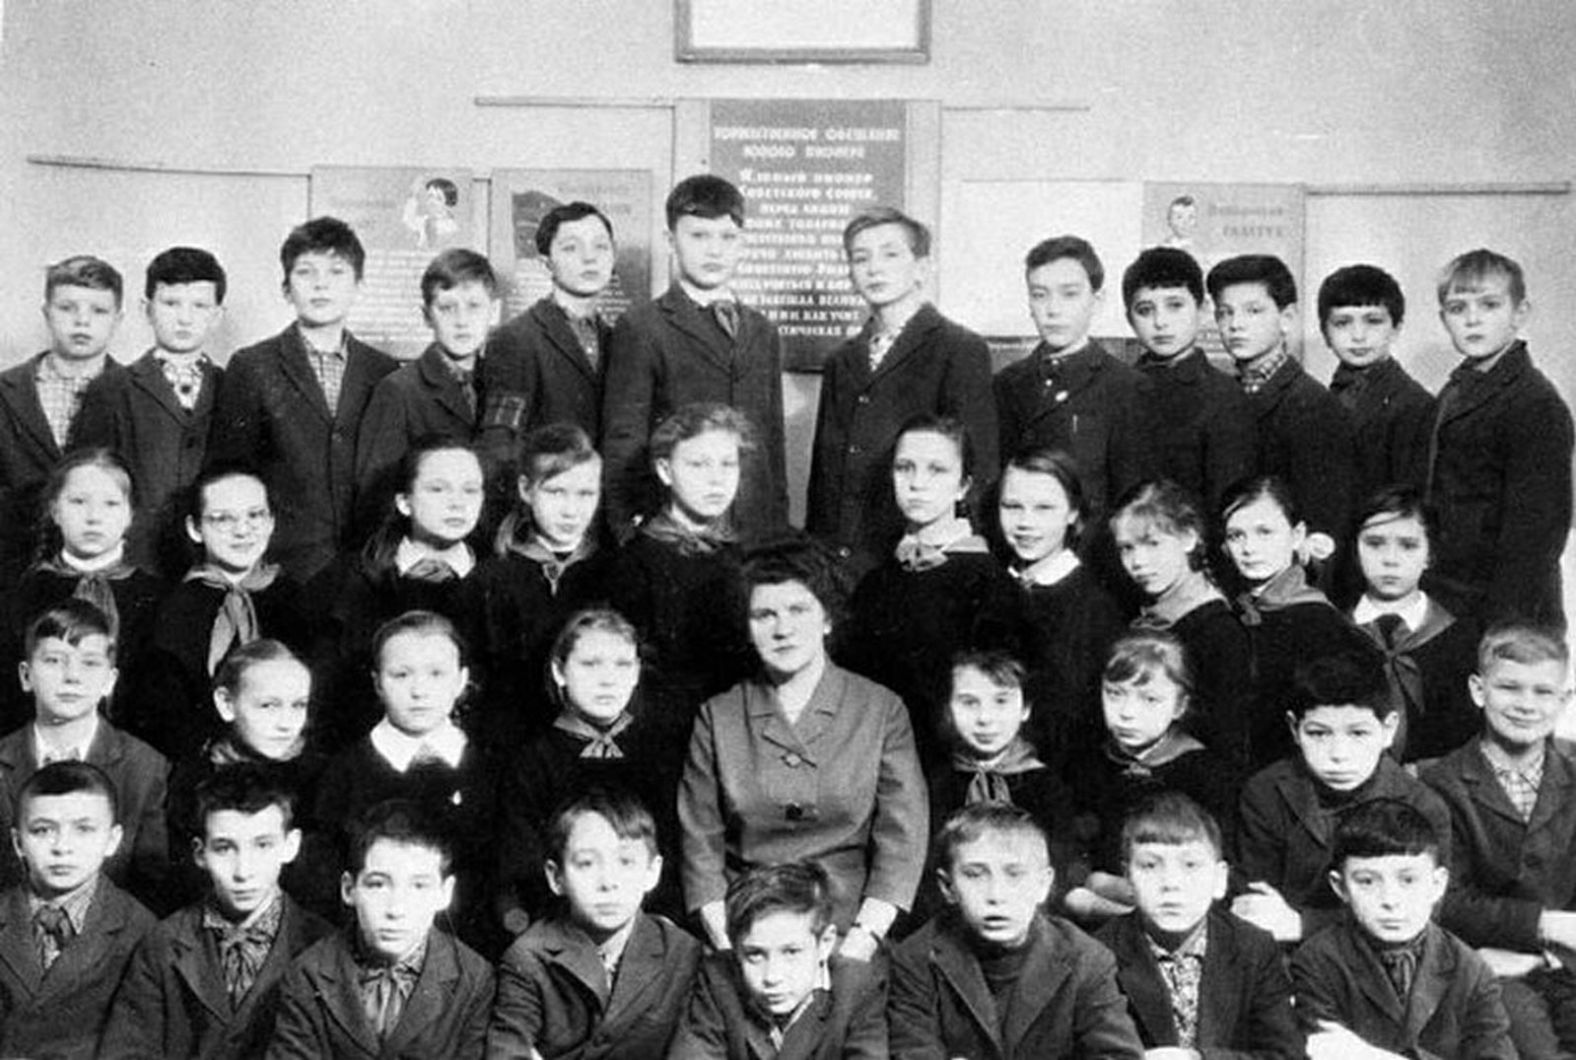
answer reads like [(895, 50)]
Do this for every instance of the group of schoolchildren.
[(1253, 679)]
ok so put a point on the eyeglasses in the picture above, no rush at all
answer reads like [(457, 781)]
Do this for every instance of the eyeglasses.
[(229, 522)]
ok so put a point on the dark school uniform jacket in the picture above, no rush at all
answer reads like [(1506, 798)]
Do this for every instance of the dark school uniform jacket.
[(1391, 416), (1068, 629), (534, 372), (60, 1014), (171, 705), (28, 453), (1503, 871), (933, 366), (1288, 827), (1305, 438), (1244, 995), (420, 398), (140, 776), (1204, 435), (1500, 476), (272, 414), (553, 994), (136, 413), (1427, 669), (1098, 411), (1065, 1003), (669, 353), (1221, 655), (320, 1015), (173, 1003), (1454, 1009), (846, 1022)]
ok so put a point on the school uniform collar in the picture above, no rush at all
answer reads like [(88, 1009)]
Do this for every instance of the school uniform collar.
[(916, 554), (1414, 614), (592, 314), (399, 749), (75, 903), (1191, 592), (1173, 744), (75, 752), (110, 560), (1287, 589), (1471, 369), (704, 300), (776, 1030), (1182, 366), (1049, 570), (1044, 971), (1257, 375), (458, 556), (874, 325)]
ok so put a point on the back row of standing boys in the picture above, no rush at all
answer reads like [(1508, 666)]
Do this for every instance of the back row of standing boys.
[(339, 435)]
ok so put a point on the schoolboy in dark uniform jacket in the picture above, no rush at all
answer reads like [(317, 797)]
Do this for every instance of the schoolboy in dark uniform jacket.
[(298, 428), (1499, 471), (908, 360), (696, 344)]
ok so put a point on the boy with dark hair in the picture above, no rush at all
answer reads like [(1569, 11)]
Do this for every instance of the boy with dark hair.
[(1196, 977), (1361, 308), (156, 413), (438, 393), (1386, 981), (1342, 720), (1069, 393), (66, 932), (994, 975), (696, 343), (69, 672), (602, 978), (392, 984), (40, 398), (1499, 457), (1304, 436), (1512, 800), (780, 992), (907, 360), (293, 404), (546, 365), (1203, 427), (205, 982)]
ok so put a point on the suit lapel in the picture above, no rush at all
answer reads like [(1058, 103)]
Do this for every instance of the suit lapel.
[(640, 970), (804, 1037), (147, 375), (297, 370), (705, 336), (1554, 793), (1303, 805), (106, 919), (1042, 976), (962, 974), (358, 381), (444, 386), (429, 1002), (561, 336), (195, 963), (1435, 973), (1221, 985), (340, 994), (909, 340), (21, 393), (1369, 975), (16, 942), (1140, 980), (1464, 400), (1489, 795)]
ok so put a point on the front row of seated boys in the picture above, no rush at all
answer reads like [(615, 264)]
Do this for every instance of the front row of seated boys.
[(246, 971)]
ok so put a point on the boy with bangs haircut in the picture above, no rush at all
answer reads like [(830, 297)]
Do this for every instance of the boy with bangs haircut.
[(392, 984), (1204, 435), (1303, 435), (907, 360), (1069, 393), (205, 982), (1386, 981), (601, 978), (696, 343), (781, 992), (293, 404), (66, 932), (156, 413), (1499, 457), (546, 365), (1342, 721), (70, 672), (1512, 800), (1361, 309), (439, 392), (40, 398), (1196, 977), (994, 975)]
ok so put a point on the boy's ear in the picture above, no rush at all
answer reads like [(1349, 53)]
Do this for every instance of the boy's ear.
[(826, 943), (664, 470), (1288, 319), (116, 834), (1222, 880), (24, 674), (192, 532), (402, 504), (653, 874), (347, 888), (1338, 885), (555, 877), (292, 846), (1390, 726), (147, 309), (426, 313), (447, 892), (199, 849), (16, 842), (1474, 688), (944, 881), (1291, 723)]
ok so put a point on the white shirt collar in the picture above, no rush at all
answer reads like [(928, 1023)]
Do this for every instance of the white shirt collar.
[(399, 749), (78, 750), (88, 566), (1051, 569), (1368, 609), (458, 556)]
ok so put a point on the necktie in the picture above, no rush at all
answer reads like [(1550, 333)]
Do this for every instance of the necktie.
[(468, 388), (726, 313), (600, 742), (1182, 972), (425, 755), (185, 378), (1392, 628), (242, 952), (987, 785), (585, 331), (880, 345), (235, 623), (385, 1003), (432, 569), (1401, 966), (53, 932)]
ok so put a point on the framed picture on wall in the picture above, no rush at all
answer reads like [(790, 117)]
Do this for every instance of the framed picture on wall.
[(802, 31)]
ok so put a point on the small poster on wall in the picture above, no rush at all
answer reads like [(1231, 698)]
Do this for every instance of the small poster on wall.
[(805, 167), (404, 217), (522, 197)]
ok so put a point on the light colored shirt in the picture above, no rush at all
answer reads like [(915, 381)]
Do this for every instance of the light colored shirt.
[(77, 751), (400, 749), (458, 556), (1369, 609)]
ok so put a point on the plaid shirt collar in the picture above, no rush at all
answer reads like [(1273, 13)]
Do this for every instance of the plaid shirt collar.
[(1253, 377), (76, 904)]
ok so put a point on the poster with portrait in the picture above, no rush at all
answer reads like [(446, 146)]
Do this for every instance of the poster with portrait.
[(404, 216), (522, 197)]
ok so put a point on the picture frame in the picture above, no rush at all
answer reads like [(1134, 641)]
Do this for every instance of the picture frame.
[(802, 31)]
